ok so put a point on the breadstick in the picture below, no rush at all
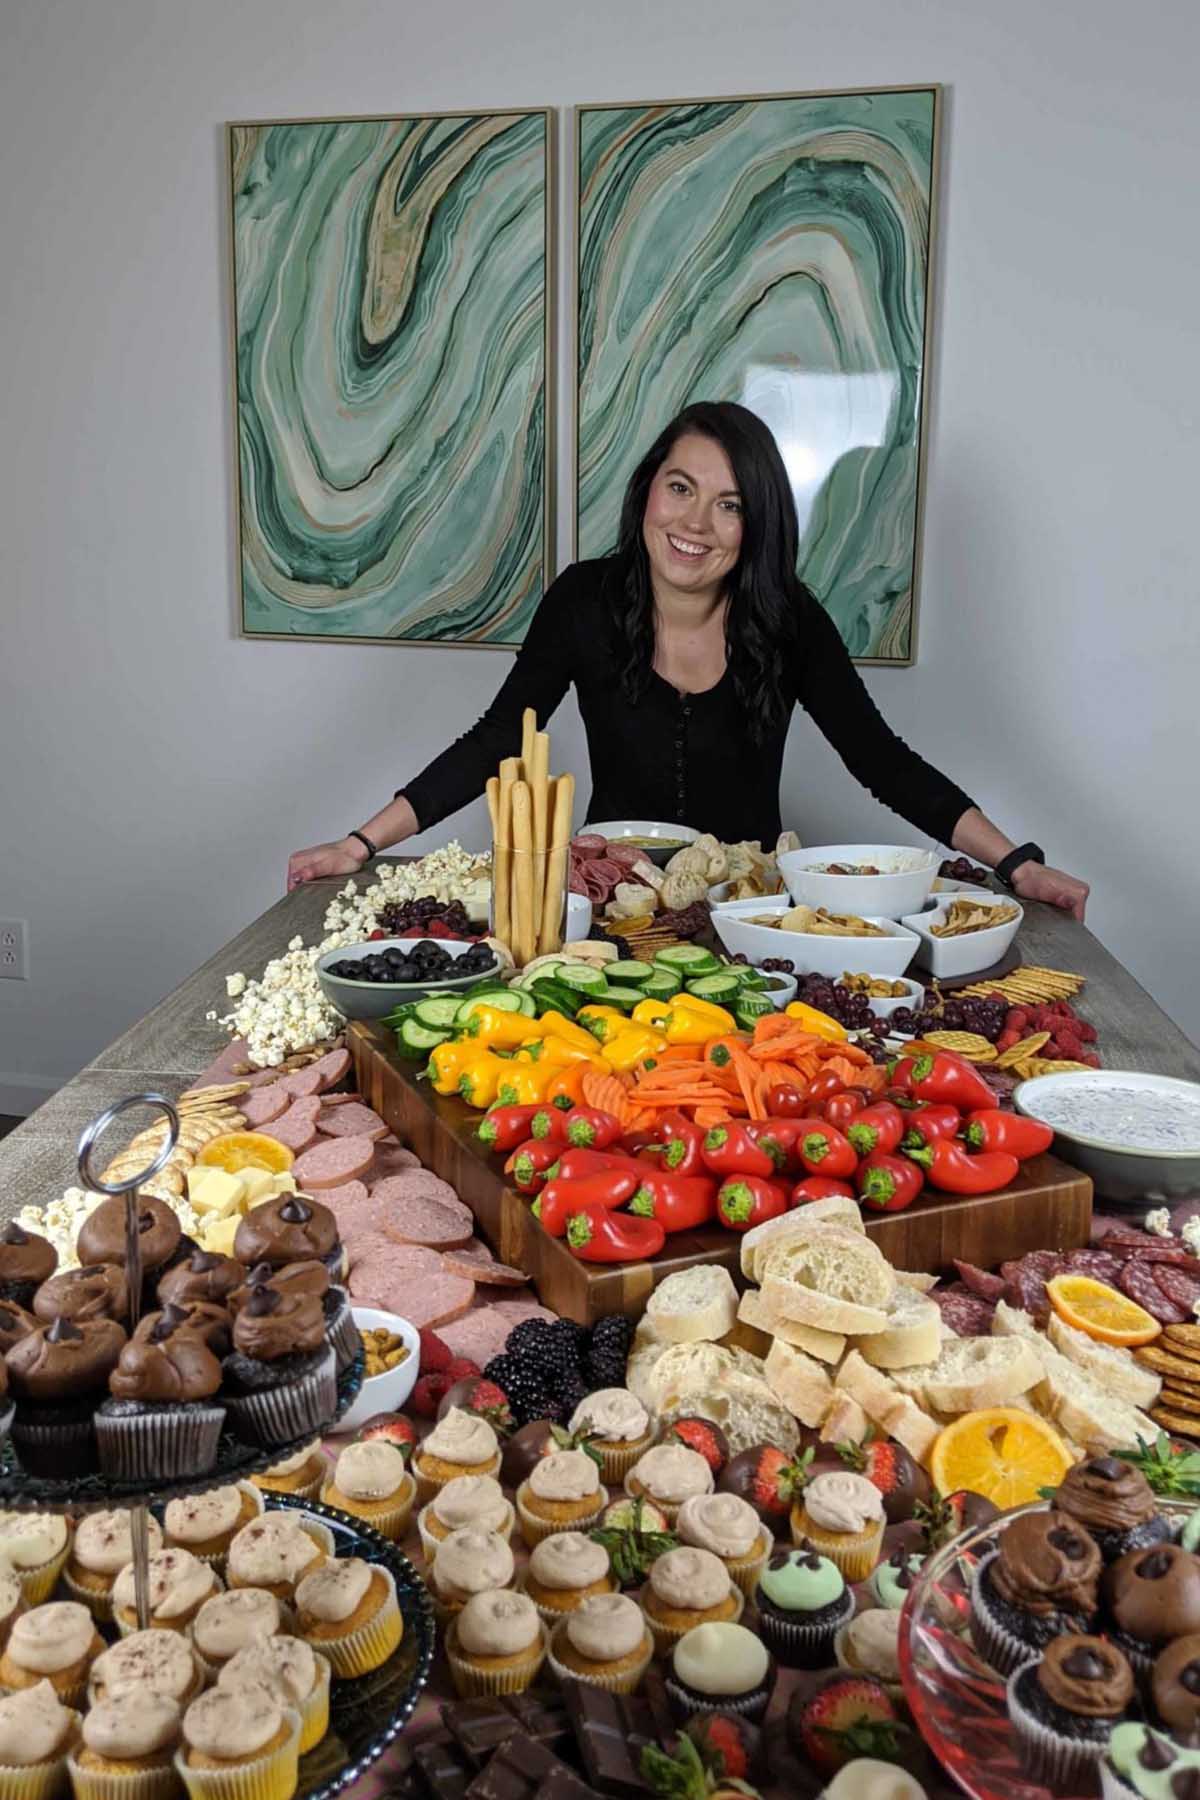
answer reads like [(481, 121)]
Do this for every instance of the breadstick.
[(522, 820), (528, 733), (502, 858), (539, 791), (556, 868), (493, 800)]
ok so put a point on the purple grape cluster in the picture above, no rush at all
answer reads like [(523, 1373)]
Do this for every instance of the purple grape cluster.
[(403, 915), (957, 868)]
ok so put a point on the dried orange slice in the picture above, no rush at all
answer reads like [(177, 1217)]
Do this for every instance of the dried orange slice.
[(1105, 1314), (246, 1150), (1002, 1452)]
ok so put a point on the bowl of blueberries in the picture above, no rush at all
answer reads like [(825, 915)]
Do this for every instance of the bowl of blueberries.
[(368, 981)]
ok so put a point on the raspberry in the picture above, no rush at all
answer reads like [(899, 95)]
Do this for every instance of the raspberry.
[(428, 1392), (435, 1356)]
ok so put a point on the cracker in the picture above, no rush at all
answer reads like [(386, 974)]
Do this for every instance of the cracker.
[(1185, 1400), (1183, 1334), (1182, 1423), (1016, 1053), (1164, 1362)]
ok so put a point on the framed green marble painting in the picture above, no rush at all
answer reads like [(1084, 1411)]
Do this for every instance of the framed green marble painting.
[(393, 298), (774, 250)]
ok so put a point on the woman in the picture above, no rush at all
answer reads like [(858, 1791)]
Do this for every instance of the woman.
[(688, 650)]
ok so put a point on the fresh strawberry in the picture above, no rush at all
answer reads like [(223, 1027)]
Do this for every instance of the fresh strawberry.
[(394, 1428), (768, 1479), (435, 1356), (684, 1776), (851, 1715), (429, 1393), (459, 1367), (943, 1518), (900, 1479), (729, 1746), (701, 1435), (475, 1394)]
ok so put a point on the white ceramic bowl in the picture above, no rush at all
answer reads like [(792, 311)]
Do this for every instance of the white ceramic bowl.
[(1136, 1176), (784, 993), (945, 886), (870, 896), (947, 958), (579, 917), (389, 1391), (375, 999), (913, 997), (888, 955), (674, 836)]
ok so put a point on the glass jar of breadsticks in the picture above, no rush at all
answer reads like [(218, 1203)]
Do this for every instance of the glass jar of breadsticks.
[(531, 813)]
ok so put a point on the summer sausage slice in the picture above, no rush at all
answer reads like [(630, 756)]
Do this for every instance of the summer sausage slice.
[(427, 1222), (420, 1184), (478, 1262), (392, 1158), (351, 1120), (479, 1335), (302, 1084), (425, 1296), (297, 1127), (332, 1068), (262, 1105), (332, 1162)]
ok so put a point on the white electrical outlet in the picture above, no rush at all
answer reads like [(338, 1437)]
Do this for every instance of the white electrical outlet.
[(14, 952)]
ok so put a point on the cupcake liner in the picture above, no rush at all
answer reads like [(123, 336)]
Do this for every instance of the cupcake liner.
[(667, 1636), (363, 1650), (38, 1781), (474, 1683), (1002, 1649), (429, 1543), (554, 1615), (799, 1643), (534, 1529), (97, 1600), (390, 1521), (300, 1408), (616, 1460), (111, 1784), (1058, 1761), (686, 1704), (305, 1490), (744, 1571), (162, 1444), (314, 1713), (54, 1449), (623, 1681), (428, 1487), (855, 1553), (668, 1508), (341, 1334), (273, 1777), (37, 1583)]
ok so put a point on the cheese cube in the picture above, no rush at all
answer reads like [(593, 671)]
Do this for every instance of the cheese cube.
[(275, 1185), (218, 1234), (214, 1193)]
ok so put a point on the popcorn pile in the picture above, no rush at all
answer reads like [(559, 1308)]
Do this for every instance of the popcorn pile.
[(285, 1010), (60, 1220)]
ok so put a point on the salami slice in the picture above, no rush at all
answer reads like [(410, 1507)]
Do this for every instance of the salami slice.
[(1173, 1254), (964, 1312), (426, 1222), (351, 1120), (263, 1105), (1138, 1281), (333, 1161), (1180, 1287), (587, 844), (421, 1184), (988, 1287), (296, 1129), (1097, 1264), (332, 1068)]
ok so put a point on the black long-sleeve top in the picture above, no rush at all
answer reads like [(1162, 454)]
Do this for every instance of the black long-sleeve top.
[(685, 759)]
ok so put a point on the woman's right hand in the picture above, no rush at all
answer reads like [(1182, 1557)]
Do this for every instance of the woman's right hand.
[(325, 859)]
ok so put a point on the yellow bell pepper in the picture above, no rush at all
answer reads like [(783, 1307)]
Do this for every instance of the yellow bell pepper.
[(565, 1031), (687, 1025), (692, 1003), (557, 1053), (524, 1081), (447, 1062), (479, 1082), (626, 1049), (602, 1022), (499, 1030), (819, 1023), (652, 1012)]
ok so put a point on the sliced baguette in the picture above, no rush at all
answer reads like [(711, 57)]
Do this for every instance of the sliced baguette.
[(695, 1305), (826, 1346), (912, 1335), (1013, 1321), (835, 1213), (834, 1263), (914, 1279), (1083, 1408), (845, 1422), (802, 1306), (798, 1382), (896, 1414), (973, 1373), (1113, 1367), (913, 1427)]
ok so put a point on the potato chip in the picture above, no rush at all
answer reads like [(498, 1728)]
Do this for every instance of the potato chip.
[(1028, 1046), (963, 916)]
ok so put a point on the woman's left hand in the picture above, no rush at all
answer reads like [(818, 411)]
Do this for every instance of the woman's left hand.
[(1033, 881)]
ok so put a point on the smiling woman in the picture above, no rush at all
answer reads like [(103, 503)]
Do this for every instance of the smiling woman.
[(688, 648)]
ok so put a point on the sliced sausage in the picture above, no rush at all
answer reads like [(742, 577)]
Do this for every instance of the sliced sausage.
[(262, 1105), (426, 1222), (351, 1120), (422, 1184), (425, 1297), (484, 1268), (302, 1084), (392, 1158), (480, 1335), (332, 1068), (297, 1127), (332, 1162)]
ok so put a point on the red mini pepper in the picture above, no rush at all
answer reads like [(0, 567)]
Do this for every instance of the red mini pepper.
[(924, 1124), (954, 1170), (530, 1165), (819, 1187), (824, 1151), (590, 1129), (559, 1199), (824, 1086), (787, 1101), (505, 1127), (731, 1150), (840, 1109), (885, 1182), (992, 1129), (943, 1077), (599, 1236), (878, 1127), (572, 1164), (747, 1200), (678, 1202), (550, 1122), (683, 1140)]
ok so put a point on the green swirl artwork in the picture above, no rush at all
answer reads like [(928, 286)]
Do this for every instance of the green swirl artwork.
[(773, 251), (391, 322)]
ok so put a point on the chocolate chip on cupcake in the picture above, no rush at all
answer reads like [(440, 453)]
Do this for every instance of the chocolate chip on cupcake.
[(803, 1602), (1152, 1596), (54, 1374), (163, 1419), (99, 1291), (201, 1318), (1063, 1706), (1114, 1503), (26, 1260), (309, 1277), (288, 1229), (1042, 1581), (201, 1276)]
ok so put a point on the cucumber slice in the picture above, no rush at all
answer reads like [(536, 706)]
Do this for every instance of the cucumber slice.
[(491, 984), (527, 1003), (547, 971), (556, 996), (661, 986), (748, 976), (722, 989), (581, 976), (626, 998), (633, 974), (750, 1007), (687, 960), (440, 1011), (415, 1039)]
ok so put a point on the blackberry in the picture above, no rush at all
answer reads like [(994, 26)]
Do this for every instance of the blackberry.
[(525, 1337), (613, 1328), (503, 1370), (606, 1370), (569, 1330), (573, 1393)]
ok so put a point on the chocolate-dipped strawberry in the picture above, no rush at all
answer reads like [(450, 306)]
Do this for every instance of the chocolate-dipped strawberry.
[(394, 1428), (475, 1394), (701, 1435), (769, 1479), (944, 1517), (898, 1476), (524, 1449)]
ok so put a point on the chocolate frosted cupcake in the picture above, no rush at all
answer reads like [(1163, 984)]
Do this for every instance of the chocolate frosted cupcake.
[(201, 1276), (163, 1420), (212, 1324), (1115, 1504), (102, 1547), (1041, 1582), (1175, 1683), (1152, 1596), (98, 1291), (720, 1668), (1063, 1706), (309, 1277), (26, 1260), (289, 1229), (803, 1602), (102, 1236), (55, 1374), (280, 1380), (15, 1324)]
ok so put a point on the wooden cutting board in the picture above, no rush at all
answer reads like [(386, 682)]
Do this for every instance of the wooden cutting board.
[(1048, 1207)]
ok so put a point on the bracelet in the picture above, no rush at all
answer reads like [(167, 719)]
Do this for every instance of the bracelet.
[(1008, 865), (371, 849)]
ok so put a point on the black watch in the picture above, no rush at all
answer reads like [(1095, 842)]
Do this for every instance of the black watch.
[(1008, 865), (371, 849)]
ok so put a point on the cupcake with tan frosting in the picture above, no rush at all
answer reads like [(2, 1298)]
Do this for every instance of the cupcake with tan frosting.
[(35, 1546), (496, 1645), (605, 1643), (162, 1662), (228, 1622), (206, 1524), (371, 1482), (688, 1587), (37, 1733), (12, 1602), (128, 1749), (469, 1562), (292, 1673), (179, 1584), (276, 1552), (57, 1643), (460, 1444), (841, 1515), (239, 1744), (669, 1474), (564, 1571), (562, 1492), (475, 1501), (303, 1473), (103, 1545), (732, 1530), (617, 1425), (348, 1610)]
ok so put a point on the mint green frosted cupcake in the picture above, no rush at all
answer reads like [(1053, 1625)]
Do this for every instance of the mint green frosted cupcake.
[(891, 1580), (803, 1602)]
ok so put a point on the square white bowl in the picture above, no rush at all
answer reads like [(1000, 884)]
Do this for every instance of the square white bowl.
[(811, 955), (870, 896), (947, 958)]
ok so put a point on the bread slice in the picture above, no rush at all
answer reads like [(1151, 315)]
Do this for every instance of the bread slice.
[(1083, 1408), (826, 1346), (1013, 1321), (845, 1422), (802, 1306), (798, 1382), (977, 1372), (695, 1305), (745, 1409), (833, 1280), (914, 1279), (835, 1213), (896, 1414), (1110, 1365), (912, 1335)]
